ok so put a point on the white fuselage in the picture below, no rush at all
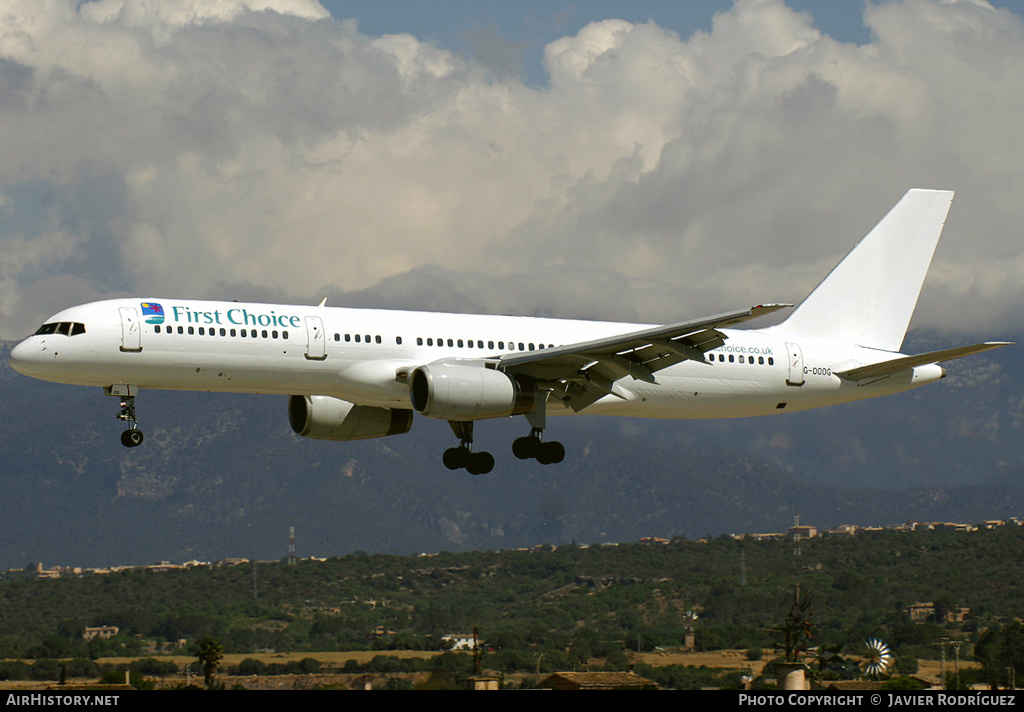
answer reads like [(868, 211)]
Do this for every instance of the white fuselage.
[(364, 356)]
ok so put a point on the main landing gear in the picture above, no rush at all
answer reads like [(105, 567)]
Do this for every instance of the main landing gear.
[(455, 458), (132, 437), (531, 446), (525, 448)]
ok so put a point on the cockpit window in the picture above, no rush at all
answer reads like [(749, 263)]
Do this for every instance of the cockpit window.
[(68, 328)]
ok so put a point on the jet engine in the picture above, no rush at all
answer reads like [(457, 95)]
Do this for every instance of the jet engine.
[(462, 392), (327, 418)]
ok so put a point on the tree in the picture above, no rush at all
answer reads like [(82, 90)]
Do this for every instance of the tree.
[(211, 652)]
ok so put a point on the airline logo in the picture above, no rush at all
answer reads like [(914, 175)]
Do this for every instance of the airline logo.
[(153, 313)]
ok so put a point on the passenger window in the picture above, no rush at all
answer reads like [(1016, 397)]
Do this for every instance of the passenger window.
[(419, 341), (377, 339), (337, 337), (357, 339), (398, 340), (202, 331), (273, 334), (732, 358), (263, 333), (760, 360), (181, 330), (501, 345), (451, 343), (284, 334), (232, 332), (156, 329), (771, 361), (460, 343), (348, 337)]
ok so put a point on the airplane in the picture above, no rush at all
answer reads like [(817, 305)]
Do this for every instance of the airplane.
[(355, 374)]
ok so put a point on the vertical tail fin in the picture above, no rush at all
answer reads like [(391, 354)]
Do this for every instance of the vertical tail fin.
[(869, 297)]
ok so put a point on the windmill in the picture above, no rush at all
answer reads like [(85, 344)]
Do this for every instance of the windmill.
[(878, 660), (690, 620)]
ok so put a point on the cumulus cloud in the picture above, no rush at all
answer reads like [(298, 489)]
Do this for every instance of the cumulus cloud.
[(247, 147)]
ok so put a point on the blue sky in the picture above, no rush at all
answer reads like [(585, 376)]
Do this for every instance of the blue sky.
[(523, 28)]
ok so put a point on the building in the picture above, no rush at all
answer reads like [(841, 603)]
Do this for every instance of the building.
[(103, 632), (596, 681)]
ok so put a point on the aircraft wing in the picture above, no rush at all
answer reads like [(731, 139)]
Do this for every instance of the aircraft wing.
[(884, 368), (587, 371)]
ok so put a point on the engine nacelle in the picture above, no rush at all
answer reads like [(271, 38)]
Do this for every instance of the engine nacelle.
[(462, 392), (327, 418)]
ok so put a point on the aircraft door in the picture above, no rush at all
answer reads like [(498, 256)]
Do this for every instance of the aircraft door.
[(131, 330), (796, 365), (316, 344)]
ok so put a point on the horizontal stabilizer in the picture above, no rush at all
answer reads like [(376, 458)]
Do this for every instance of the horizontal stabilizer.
[(884, 368)]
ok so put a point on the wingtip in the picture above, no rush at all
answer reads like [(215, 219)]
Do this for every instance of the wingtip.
[(770, 307)]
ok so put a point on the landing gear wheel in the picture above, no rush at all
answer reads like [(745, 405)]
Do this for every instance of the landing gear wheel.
[(525, 447), (480, 463), (131, 437), (454, 458)]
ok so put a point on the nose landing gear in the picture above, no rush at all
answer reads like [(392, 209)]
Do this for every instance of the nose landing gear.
[(132, 437)]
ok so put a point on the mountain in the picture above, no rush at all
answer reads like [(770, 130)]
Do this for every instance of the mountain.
[(222, 475)]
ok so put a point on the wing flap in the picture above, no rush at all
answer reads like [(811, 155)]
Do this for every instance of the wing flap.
[(581, 374), (884, 368), (652, 349)]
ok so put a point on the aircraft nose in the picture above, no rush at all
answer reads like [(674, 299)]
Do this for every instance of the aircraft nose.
[(25, 357)]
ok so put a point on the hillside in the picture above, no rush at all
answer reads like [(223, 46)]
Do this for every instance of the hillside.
[(596, 596), (223, 475)]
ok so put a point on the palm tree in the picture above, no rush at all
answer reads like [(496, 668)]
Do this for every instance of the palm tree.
[(210, 654)]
